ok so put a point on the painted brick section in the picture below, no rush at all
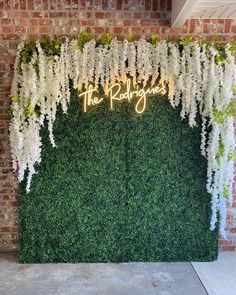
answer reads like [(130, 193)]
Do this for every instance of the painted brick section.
[(25, 19)]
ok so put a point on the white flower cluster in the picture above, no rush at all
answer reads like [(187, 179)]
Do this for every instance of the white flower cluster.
[(196, 79)]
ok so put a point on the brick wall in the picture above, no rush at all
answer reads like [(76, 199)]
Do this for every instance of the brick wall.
[(24, 19)]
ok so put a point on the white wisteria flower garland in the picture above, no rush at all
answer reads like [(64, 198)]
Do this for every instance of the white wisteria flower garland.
[(200, 78)]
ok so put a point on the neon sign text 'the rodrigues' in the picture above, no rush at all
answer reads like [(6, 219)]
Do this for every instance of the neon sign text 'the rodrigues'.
[(116, 93)]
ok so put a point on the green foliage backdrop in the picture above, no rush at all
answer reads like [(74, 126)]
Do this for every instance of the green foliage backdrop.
[(118, 187)]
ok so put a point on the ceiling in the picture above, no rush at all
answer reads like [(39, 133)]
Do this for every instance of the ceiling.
[(197, 9), (214, 9)]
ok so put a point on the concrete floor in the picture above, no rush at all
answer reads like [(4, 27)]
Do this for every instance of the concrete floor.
[(219, 277), (118, 279)]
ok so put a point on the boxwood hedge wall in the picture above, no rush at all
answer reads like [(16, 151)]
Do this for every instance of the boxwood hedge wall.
[(118, 187)]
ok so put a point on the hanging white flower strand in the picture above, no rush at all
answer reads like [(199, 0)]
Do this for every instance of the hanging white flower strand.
[(200, 78)]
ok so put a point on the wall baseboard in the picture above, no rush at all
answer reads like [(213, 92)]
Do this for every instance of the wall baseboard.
[(6, 251)]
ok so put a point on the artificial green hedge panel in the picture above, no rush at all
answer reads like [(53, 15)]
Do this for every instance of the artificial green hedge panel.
[(118, 187)]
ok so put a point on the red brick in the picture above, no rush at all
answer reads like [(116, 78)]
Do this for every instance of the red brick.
[(155, 30), (60, 4), (137, 15), (45, 21), (44, 30), (119, 4), (90, 23), (21, 22), (45, 4), (5, 229), (14, 204), (74, 14), (99, 14), (191, 26), (21, 14), (219, 27), (30, 4), (148, 4), (6, 30), (104, 4), (8, 4), (10, 37), (127, 15), (234, 204), (20, 29), (58, 14), (136, 30), (169, 5), (111, 15), (233, 28), (163, 4), (15, 242), (163, 22), (155, 15), (227, 26), (22, 4), (88, 15), (33, 21), (6, 21), (39, 14), (223, 242), (127, 22), (136, 22), (98, 30), (207, 28), (118, 30), (155, 5), (82, 22), (145, 22)]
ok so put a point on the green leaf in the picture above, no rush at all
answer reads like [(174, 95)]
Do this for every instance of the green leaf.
[(215, 38), (31, 108), (218, 116), (15, 99), (204, 42), (27, 100), (220, 152), (36, 67), (9, 115), (168, 39), (231, 156), (105, 39), (29, 111), (225, 191), (153, 40), (83, 38), (49, 47), (221, 53), (234, 89), (218, 59), (186, 40), (130, 37), (231, 109), (232, 47)]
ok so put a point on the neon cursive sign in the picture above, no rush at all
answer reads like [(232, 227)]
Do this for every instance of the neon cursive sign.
[(116, 94)]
